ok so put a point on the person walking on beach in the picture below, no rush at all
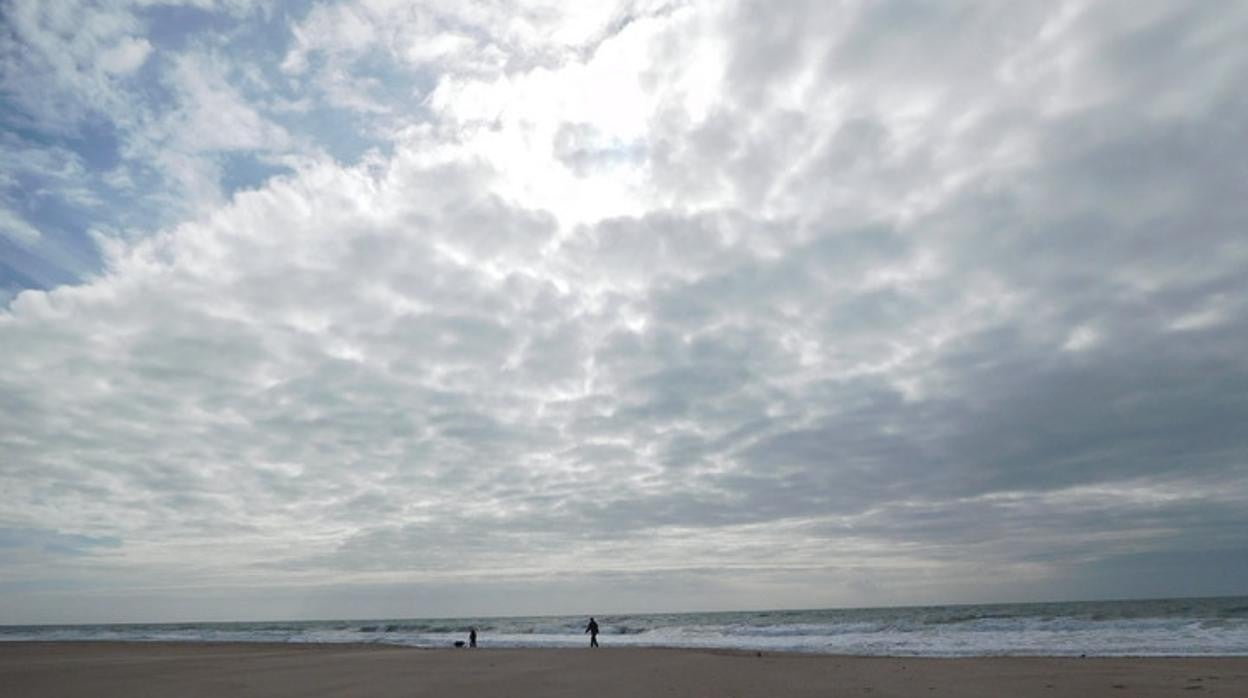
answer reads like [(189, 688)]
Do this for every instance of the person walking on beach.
[(472, 637), (592, 629)]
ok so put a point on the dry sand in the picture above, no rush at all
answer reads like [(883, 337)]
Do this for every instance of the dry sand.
[(128, 670)]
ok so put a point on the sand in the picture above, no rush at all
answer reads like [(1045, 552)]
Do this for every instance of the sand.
[(186, 670)]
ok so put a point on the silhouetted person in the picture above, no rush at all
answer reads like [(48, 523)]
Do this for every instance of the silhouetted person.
[(472, 637), (592, 629)]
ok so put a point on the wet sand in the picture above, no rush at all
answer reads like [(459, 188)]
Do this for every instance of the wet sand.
[(139, 669)]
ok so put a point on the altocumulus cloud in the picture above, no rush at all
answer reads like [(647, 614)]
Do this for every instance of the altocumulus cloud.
[(653, 306)]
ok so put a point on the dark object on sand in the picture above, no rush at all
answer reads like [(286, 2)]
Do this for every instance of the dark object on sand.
[(459, 643)]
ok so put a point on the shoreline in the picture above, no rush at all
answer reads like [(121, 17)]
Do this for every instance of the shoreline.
[(124, 668)]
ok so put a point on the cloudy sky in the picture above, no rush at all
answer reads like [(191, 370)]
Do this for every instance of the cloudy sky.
[(376, 308)]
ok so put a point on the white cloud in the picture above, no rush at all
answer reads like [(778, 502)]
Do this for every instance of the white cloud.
[(126, 56), (212, 115), (16, 228), (60, 57)]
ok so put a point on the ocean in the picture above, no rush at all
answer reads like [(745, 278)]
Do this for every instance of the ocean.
[(1157, 627)]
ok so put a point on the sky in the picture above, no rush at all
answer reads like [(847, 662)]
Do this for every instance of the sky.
[(369, 308)]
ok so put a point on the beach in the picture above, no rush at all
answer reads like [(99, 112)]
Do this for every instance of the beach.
[(38, 669)]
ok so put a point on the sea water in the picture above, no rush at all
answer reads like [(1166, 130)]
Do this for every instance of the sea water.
[(1158, 627)]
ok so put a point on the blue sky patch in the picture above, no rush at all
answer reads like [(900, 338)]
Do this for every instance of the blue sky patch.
[(243, 170)]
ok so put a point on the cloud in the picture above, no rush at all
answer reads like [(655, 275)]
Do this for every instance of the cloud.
[(812, 305), (126, 56), (17, 229)]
